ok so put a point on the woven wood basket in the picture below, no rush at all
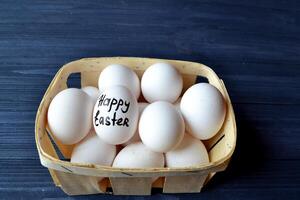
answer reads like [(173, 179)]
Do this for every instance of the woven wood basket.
[(82, 179)]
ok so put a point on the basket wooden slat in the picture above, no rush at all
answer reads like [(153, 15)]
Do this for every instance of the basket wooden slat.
[(181, 184), (131, 185), (74, 184), (77, 179)]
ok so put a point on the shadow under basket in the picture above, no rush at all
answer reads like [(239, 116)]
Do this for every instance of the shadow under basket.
[(81, 179)]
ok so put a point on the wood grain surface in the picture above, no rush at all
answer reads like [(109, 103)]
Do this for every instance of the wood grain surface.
[(254, 46)]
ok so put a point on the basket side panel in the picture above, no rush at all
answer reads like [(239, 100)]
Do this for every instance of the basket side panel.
[(222, 144), (227, 144), (184, 184), (131, 185), (74, 184)]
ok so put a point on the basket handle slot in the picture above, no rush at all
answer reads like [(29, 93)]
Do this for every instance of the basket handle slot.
[(73, 80), (201, 79)]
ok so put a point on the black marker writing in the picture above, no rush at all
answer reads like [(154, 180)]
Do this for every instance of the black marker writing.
[(107, 121), (117, 104)]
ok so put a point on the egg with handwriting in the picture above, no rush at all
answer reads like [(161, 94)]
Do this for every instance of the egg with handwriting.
[(93, 92), (116, 74), (203, 109), (161, 126), (92, 150), (161, 82), (137, 155), (115, 115), (136, 136), (70, 115), (190, 152)]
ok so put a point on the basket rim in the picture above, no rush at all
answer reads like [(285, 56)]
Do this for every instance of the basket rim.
[(210, 166)]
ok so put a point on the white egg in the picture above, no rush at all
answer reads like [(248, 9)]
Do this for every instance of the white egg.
[(93, 150), (70, 115), (115, 115), (136, 136), (161, 126), (137, 155), (190, 152), (93, 92), (203, 109), (161, 82), (116, 74)]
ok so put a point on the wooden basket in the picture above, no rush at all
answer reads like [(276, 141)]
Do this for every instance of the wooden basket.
[(81, 179)]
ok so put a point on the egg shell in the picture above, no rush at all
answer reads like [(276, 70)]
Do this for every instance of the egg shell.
[(116, 74), (190, 152), (115, 115), (136, 136), (203, 109), (137, 155), (161, 82), (161, 126), (70, 115), (93, 92), (93, 150)]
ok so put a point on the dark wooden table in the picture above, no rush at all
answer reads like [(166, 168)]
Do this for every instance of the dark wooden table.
[(254, 46)]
